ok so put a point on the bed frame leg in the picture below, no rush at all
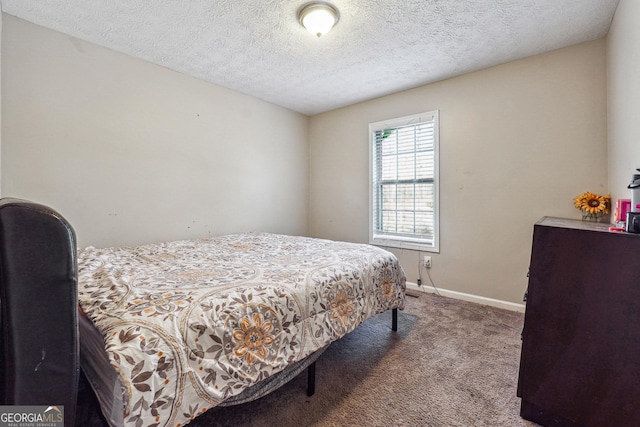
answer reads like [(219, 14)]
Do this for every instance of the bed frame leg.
[(311, 379), (311, 370)]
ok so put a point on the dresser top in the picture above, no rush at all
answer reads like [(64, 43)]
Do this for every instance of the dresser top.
[(550, 221)]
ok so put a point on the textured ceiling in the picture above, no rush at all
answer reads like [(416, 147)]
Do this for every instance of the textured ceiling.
[(379, 46)]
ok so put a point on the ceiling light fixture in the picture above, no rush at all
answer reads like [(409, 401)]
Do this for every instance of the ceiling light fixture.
[(318, 17)]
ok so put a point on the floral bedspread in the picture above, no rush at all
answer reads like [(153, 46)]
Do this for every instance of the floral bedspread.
[(188, 324)]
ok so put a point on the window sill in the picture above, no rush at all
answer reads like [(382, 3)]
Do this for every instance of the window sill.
[(404, 244)]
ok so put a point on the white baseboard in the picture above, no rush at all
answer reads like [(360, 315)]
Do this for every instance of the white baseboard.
[(468, 297)]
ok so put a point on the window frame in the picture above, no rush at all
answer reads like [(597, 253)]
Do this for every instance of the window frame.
[(398, 240)]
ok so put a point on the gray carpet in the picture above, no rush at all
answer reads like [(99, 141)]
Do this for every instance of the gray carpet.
[(451, 363)]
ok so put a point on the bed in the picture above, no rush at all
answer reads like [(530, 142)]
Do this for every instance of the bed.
[(170, 330)]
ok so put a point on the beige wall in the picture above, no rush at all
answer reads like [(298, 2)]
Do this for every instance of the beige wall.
[(131, 152), (623, 60), (518, 141)]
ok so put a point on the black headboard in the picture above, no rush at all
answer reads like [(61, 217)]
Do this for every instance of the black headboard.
[(38, 308)]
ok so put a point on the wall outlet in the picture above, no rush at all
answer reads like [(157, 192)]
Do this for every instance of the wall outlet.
[(427, 261)]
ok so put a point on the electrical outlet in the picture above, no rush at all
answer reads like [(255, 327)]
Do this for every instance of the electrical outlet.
[(427, 261)]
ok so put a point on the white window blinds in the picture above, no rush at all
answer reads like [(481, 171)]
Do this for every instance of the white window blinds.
[(404, 182)]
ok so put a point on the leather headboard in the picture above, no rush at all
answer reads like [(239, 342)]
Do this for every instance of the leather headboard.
[(38, 308)]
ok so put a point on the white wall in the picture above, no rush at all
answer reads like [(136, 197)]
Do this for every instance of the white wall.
[(130, 152), (623, 61), (518, 141)]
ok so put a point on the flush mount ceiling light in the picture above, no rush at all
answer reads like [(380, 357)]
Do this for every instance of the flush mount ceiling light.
[(318, 17)]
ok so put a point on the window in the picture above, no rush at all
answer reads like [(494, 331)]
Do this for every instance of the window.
[(404, 182)]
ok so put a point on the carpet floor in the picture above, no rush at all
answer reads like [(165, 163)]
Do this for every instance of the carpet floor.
[(451, 363)]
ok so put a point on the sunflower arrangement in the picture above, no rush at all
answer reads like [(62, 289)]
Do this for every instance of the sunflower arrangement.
[(593, 206)]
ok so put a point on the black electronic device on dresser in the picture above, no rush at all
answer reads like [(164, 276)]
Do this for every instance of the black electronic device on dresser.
[(580, 361)]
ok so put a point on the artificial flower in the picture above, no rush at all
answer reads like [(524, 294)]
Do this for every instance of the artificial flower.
[(592, 203)]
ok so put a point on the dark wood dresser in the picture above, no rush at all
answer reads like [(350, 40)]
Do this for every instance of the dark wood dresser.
[(580, 361)]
